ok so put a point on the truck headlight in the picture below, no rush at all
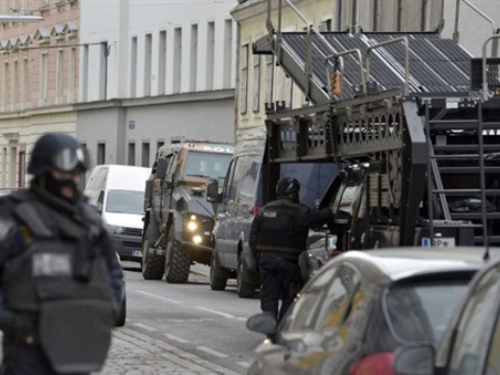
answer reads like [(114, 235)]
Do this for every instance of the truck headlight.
[(192, 226), (116, 230), (197, 239)]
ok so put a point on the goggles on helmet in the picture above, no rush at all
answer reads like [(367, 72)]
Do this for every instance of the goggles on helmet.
[(71, 159)]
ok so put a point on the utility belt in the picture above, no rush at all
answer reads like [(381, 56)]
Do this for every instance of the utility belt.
[(289, 256)]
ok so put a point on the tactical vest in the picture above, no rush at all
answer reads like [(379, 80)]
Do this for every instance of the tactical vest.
[(278, 235), (75, 316)]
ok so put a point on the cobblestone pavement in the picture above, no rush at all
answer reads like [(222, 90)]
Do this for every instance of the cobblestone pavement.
[(133, 353)]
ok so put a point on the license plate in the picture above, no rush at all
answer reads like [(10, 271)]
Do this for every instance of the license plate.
[(440, 242), (137, 253)]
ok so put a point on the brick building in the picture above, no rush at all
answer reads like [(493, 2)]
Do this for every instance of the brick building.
[(38, 79)]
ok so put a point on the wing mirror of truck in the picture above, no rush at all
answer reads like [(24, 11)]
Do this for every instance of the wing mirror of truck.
[(161, 171), (213, 195)]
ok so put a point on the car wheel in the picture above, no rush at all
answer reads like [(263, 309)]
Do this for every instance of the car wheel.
[(244, 289), (218, 279), (152, 264), (122, 317), (177, 262)]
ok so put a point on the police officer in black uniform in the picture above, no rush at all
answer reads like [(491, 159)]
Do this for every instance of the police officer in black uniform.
[(60, 278), (277, 238)]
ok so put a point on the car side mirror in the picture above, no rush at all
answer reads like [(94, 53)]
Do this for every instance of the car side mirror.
[(262, 323), (161, 171), (414, 359), (213, 192)]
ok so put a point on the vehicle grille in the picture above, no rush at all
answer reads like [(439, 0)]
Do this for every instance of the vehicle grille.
[(131, 244), (133, 232)]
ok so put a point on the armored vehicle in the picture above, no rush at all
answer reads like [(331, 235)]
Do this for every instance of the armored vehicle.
[(178, 220), (413, 116)]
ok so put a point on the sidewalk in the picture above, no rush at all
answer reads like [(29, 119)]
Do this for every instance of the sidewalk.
[(133, 353)]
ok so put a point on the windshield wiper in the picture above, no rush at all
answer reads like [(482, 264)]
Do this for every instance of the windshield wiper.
[(198, 175)]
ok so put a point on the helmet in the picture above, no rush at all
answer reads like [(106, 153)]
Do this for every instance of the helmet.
[(59, 152), (287, 186)]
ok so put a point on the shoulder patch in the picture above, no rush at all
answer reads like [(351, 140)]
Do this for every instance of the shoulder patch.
[(270, 214)]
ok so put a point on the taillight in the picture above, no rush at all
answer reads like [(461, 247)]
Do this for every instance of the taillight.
[(256, 210), (334, 253), (380, 364)]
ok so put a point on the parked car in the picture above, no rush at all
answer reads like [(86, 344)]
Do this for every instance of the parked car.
[(242, 197), (118, 193), (471, 344), (360, 307)]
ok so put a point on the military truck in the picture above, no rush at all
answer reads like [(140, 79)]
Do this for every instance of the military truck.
[(413, 116), (178, 220)]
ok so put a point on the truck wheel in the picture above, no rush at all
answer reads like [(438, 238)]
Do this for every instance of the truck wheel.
[(177, 262), (218, 279), (120, 322), (152, 264), (244, 289)]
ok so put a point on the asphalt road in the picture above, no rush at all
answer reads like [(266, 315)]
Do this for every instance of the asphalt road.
[(192, 317)]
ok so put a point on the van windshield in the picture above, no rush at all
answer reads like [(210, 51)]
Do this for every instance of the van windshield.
[(125, 201), (208, 165)]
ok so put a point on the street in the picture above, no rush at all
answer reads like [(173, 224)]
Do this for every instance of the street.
[(182, 328)]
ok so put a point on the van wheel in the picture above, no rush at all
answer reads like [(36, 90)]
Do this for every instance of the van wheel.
[(152, 264), (244, 289), (177, 262), (120, 322), (218, 279)]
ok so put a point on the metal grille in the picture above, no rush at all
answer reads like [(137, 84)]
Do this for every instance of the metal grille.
[(131, 244), (492, 74), (133, 232)]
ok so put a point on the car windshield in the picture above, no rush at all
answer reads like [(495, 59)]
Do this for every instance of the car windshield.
[(204, 164), (420, 311), (125, 201)]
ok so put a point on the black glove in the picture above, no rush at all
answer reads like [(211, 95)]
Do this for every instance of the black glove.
[(21, 326)]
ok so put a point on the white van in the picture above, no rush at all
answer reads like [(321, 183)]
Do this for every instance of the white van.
[(118, 193)]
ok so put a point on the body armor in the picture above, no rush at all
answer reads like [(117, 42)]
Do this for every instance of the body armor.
[(62, 280)]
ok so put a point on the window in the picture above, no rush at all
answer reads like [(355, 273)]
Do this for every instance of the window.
[(4, 167), (400, 16), (13, 166), (210, 55), (24, 94), (133, 68), (125, 201), (355, 11), (245, 177), (159, 144), (145, 154), (22, 167), (85, 73), (103, 71), (228, 53), (473, 323), (71, 75), (6, 79), (177, 60), (44, 71), (101, 153), (229, 189), (202, 164), (269, 78), (256, 83), (148, 53), (194, 58), (162, 63), (131, 154), (59, 78), (338, 20), (376, 14), (244, 80), (15, 83), (425, 10), (301, 314)]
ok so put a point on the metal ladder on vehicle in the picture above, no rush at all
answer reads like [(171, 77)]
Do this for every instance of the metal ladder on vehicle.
[(461, 155)]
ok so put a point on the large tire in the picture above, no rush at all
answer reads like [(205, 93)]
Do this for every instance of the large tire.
[(152, 264), (120, 322), (177, 262), (218, 279), (244, 289)]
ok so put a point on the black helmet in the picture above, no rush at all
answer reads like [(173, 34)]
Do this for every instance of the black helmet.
[(59, 152), (287, 186)]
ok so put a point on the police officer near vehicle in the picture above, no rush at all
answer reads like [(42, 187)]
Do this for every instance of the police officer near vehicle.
[(277, 238), (60, 279)]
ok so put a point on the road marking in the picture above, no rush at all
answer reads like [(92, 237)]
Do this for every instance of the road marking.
[(210, 351), (158, 297), (225, 315), (144, 326), (243, 364), (175, 338)]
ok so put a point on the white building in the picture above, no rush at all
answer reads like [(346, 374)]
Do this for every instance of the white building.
[(151, 70)]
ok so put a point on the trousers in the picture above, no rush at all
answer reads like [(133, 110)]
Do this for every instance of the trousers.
[(280, 279)]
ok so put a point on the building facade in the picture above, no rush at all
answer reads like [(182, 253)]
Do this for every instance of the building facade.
[(38, 80), (260, 81), (153, 70)]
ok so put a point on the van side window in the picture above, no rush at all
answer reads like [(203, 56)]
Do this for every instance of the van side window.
[(229, 188), (245, 177), (99, 182)]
